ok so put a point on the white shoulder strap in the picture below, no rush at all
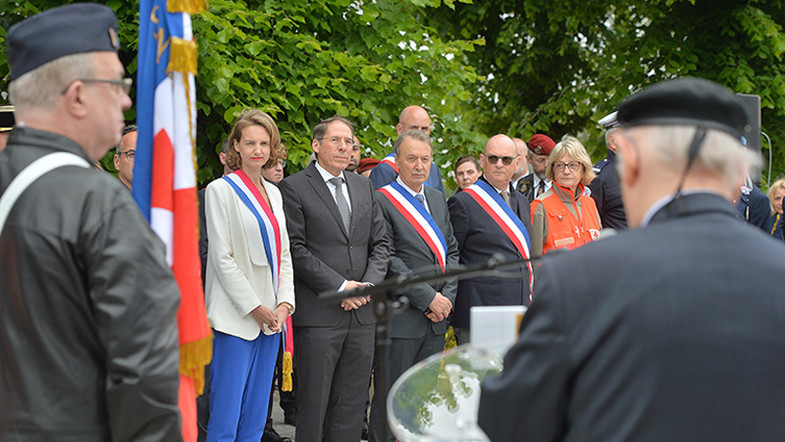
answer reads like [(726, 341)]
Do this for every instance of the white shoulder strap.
[(32, 172)]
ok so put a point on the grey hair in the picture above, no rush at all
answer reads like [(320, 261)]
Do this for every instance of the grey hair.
[(573, 147), (126, 130), (40, 88), (720, 153), (321, 128), (415, 134)]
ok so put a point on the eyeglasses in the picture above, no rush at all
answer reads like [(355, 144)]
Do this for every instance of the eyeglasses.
[(572, 165), (493, 159), (129, 154), (124, 84), (338, 140)]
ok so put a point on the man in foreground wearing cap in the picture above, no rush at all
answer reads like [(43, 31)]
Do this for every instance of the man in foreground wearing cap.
[(682, 338), (88, 332), (605, 188), (6, 124)]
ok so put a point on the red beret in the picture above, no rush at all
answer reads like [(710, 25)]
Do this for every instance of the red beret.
[(367, 164), (541, 144)]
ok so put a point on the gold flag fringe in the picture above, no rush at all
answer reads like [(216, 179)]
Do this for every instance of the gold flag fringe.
[(182, 56), (286, 379), (193, 357), (187, 6)]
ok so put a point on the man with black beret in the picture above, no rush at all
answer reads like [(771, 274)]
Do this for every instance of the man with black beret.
[(88, 327), (683, 337)]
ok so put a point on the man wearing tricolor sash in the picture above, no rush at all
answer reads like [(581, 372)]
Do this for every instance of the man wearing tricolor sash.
[(411, 118), (489, 218), (418, 224)]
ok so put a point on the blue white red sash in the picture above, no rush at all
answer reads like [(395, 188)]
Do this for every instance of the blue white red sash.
[(419, 218), (390, 161), (512, 226), (268, 223)]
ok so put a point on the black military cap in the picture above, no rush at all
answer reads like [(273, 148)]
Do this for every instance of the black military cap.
[(65, 30), (6, 118), (688, 101)]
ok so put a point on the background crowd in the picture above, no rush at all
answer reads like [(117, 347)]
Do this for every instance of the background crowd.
[(272, 245)]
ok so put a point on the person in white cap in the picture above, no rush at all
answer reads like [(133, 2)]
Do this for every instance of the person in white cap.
[(605, 187)]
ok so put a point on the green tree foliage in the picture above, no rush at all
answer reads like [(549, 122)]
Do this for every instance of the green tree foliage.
[(559, 67), (496, 66), (302, 61)]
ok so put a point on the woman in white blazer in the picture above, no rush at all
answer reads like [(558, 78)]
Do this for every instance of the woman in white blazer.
[(249, 284)]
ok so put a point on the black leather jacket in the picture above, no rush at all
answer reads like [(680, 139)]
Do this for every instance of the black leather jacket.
[(88, 332)]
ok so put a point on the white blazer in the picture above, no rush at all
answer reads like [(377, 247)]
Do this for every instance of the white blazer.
[(238, 276)]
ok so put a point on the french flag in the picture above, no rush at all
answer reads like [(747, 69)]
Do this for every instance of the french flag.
[(164, 183)]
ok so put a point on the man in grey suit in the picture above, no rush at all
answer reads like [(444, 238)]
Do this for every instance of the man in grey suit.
[(418, 223), (338, 242), (671, 331)]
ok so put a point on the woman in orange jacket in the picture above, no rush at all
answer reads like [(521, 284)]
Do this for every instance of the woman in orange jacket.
[(565, 216)]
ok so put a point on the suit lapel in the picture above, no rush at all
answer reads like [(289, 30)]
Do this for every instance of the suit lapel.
[(436, 207), (320, 187)]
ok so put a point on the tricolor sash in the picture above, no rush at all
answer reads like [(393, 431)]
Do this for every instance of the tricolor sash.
[(268, 223), (390, 161), (490, 200), (419, 218)]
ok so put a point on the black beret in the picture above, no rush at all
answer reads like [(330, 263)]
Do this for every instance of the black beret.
[(65, 30), (688, 101), (6, 118)]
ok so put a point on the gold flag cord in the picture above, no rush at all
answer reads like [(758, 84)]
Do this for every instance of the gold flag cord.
[(193, 358), (188, 6)]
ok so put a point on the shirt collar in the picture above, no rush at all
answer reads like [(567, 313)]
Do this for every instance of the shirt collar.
[(494, 187), (327, 176), (664, 201), (409, 189)]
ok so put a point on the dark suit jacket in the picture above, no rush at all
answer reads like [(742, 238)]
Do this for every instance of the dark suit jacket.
[(323, 253), (606, 192), (480, 238), (410, 254), (203, 240), (672, 332)]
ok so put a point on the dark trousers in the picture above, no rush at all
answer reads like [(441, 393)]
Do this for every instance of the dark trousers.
[(333, 365), (403, 354)]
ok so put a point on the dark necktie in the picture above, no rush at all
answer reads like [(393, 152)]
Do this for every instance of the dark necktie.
[(540, 188), (343, 207)]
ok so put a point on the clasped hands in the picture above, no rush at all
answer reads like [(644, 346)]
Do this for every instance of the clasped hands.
[(439, 309), (354, 303), (274, 319)]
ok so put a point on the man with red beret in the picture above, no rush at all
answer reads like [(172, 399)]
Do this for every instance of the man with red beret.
[(540, 147)]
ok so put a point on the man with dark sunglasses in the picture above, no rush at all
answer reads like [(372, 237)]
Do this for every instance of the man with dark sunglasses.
[(491, 218)]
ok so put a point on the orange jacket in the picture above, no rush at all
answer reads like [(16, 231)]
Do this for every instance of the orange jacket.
[(564, 230)]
